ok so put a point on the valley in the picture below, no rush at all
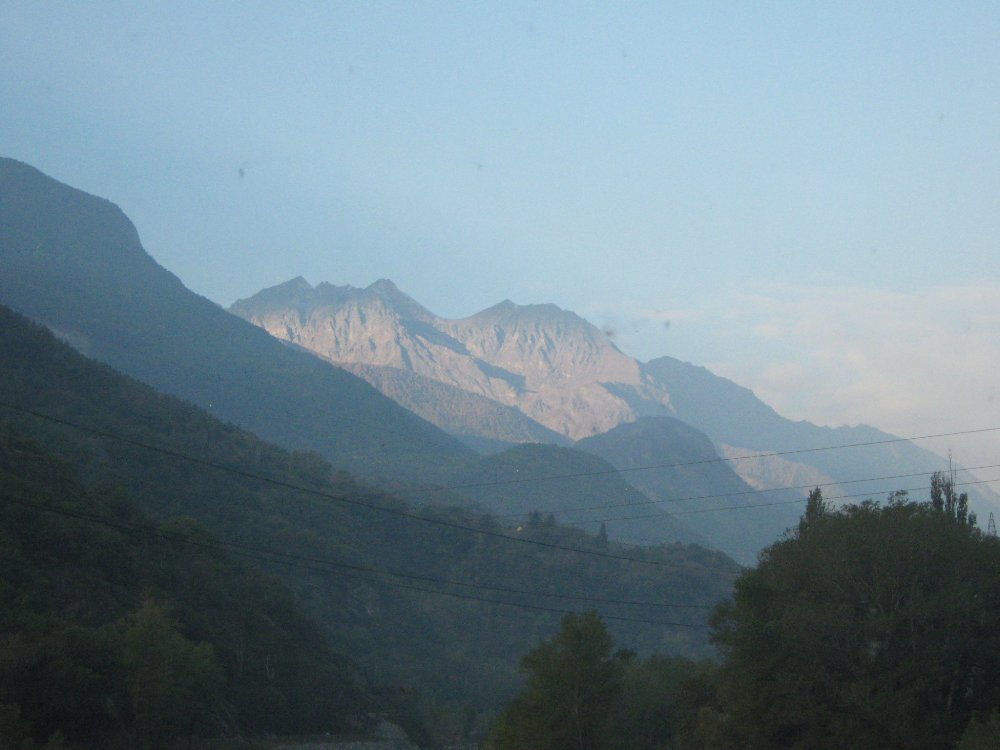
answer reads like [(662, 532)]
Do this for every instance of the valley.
[(333, 486)]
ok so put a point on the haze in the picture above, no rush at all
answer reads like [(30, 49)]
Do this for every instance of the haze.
[(801, 198)]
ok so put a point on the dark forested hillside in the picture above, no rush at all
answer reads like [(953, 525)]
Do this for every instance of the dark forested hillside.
[(444, 606), (75, 263), (116, 629)]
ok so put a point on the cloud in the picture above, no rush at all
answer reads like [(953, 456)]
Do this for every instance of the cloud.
[(914, 362)]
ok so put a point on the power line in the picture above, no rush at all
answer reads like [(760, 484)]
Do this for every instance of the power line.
[(717, 459), (576, 475), (741, 493), (328, 495), (768, 505), (461, 527), (323, 565)]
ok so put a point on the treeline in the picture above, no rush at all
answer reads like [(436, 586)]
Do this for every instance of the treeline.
[(583, 695), (872, 626)]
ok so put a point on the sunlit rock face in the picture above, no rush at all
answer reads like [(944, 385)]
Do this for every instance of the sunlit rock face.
[(549, 363)]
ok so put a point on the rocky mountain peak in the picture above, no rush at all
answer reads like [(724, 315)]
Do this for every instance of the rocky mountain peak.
[(543, 343), (545, 361), (401, 303), (297, 284), (508, 311), (384, 286)]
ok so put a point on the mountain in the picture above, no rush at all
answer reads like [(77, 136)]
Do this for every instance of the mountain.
[(582, 489), (437, 600), (74, 262), (461, 413), (552, 368), (93, 592), (677, 468), (509, 374), (562, 372), (547, 363), (742, 424)]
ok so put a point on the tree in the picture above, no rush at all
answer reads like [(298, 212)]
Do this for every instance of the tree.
[(572, 679), (816, 508), (981, 735), (873, 627), (659, 696), (580, 697), (172, 682), (944, 499)]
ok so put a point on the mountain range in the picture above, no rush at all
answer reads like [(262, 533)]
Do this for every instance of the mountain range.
[(503, 468), (439, 600), (75, 263), (569, 383), (548, 363), (416, 400)]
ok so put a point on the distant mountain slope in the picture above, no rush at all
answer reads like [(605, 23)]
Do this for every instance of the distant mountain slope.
[(678, 467), (582, 490), (468, 416), (736, 419), (75, 263), (563, 360)]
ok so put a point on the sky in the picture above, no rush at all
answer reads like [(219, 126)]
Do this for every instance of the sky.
[(802, 197)]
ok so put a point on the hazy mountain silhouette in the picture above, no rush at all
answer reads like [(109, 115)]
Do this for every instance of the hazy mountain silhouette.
[(74, 262), (509, 374), (677, 466)]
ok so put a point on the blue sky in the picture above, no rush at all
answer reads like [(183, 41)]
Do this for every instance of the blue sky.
[(806, 192)]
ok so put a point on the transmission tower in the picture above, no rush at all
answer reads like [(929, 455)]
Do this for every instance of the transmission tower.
[(991, 528)]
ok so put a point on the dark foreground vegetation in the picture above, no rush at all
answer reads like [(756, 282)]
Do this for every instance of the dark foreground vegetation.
[(873, 626)]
